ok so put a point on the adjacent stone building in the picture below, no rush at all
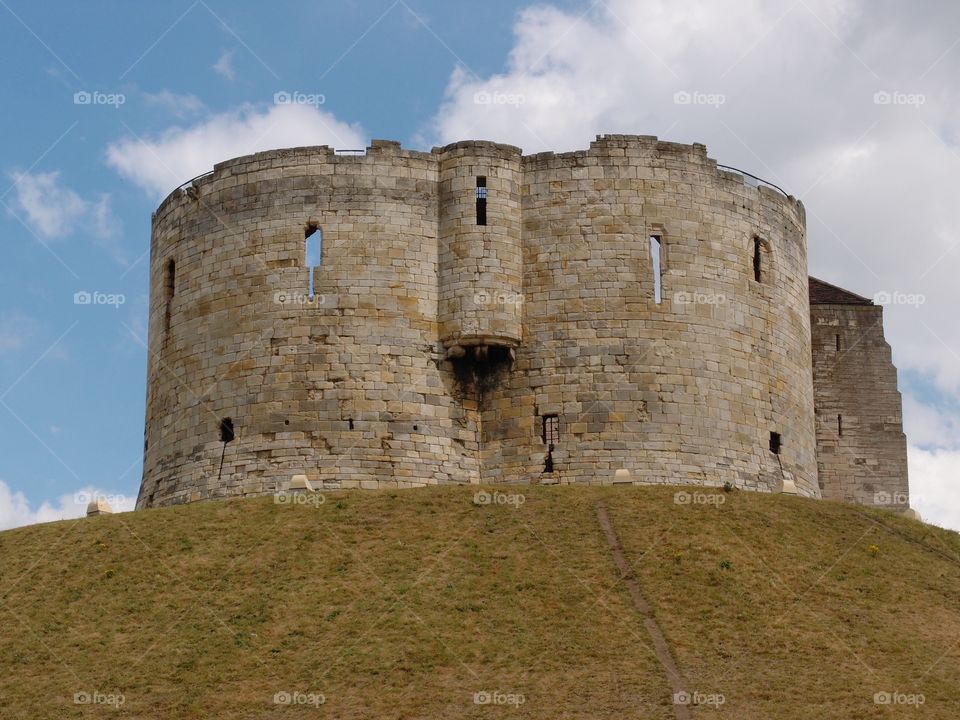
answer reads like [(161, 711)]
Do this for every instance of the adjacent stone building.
[(861, 448), (398, 318)]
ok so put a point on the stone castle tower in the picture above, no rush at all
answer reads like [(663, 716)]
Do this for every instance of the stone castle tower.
[(397, 318)]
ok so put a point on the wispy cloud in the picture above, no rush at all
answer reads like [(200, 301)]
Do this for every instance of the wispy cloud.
[(224, 65), (16, 329), (930, 427), (54, 211), (51, 209), (175, 104)]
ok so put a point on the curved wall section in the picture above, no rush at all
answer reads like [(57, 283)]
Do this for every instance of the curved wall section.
[(687, 390), (481, 259), (344, 386)]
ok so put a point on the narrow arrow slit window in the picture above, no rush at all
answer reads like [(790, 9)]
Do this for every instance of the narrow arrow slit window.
[(656, 257), (481, 200), (171, 290), (313, 240)]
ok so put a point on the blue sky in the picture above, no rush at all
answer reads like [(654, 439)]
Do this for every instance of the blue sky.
[(851, 105), (75, 418)]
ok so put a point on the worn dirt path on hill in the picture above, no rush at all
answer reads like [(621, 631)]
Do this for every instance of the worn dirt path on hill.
[(660, 645)]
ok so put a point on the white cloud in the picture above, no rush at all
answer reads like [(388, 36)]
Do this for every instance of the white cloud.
[(15, 330), (929, 427), (16, 510), (794, 89), (104, 223), (54, 211), (175, 104), (51, 209), (224, 65), (161, 163), (934, 485)]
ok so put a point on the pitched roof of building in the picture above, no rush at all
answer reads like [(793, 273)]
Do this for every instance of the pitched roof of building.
[(823, 293)]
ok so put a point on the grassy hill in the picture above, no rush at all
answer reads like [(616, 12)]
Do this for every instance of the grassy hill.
[(409, 604)]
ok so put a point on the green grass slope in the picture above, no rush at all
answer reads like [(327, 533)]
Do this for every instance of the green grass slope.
[(422, 604)]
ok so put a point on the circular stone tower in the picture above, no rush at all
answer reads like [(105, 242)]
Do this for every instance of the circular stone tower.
[(400, 318), (481, 257)]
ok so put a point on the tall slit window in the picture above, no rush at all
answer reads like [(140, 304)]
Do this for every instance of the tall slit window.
[(758, 250), (481, 200), (313, 241), (171, 289), (840, 425), (656, 257)]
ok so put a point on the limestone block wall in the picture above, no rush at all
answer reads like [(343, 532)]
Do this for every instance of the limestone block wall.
[(345, 386), (687, 390), (381, 377), (861, 448)]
